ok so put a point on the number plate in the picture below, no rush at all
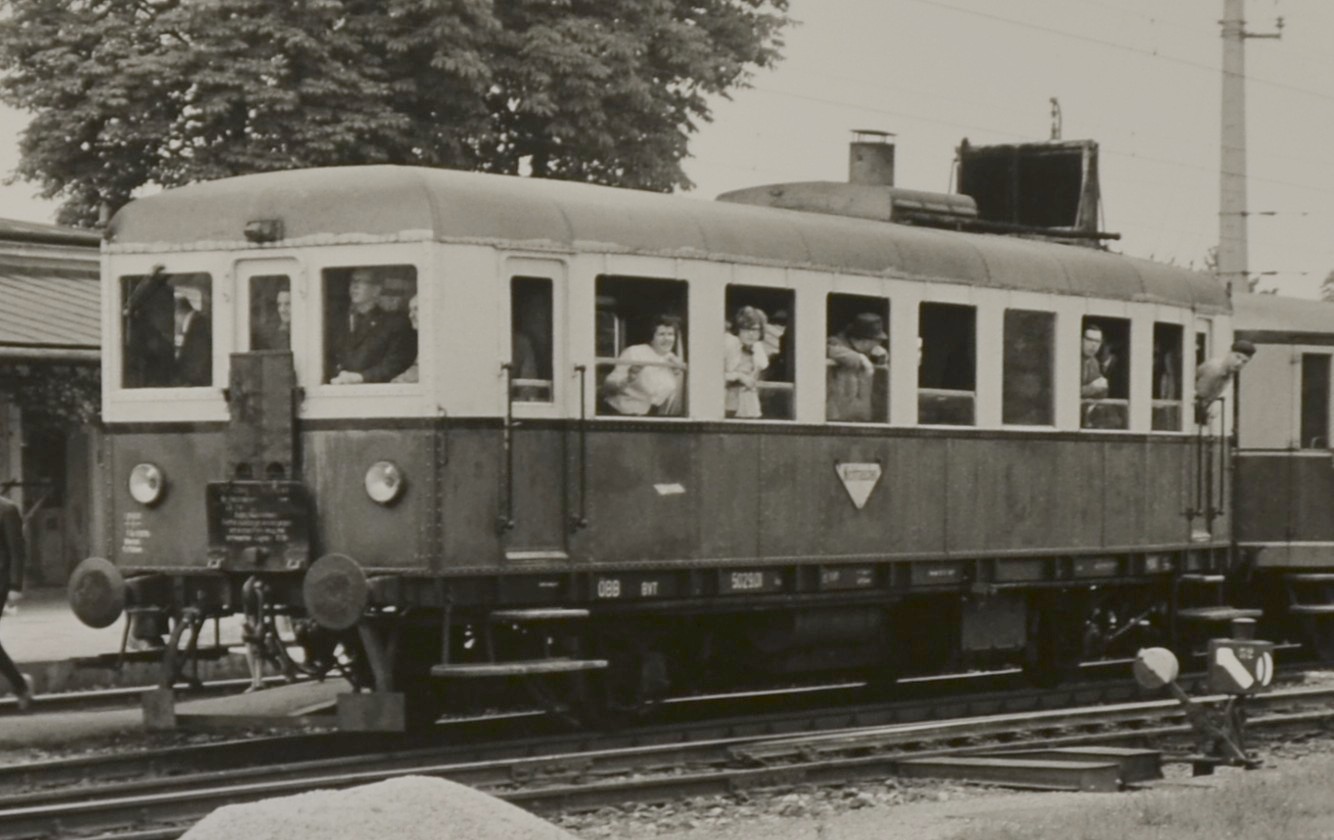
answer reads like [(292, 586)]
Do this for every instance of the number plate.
[(734, 582)]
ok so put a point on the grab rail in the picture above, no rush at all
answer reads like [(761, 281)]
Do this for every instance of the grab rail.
[(580, 519), (505, 520)]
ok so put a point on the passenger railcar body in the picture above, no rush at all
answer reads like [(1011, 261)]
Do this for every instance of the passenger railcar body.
[(1285, 464), (497, 517)]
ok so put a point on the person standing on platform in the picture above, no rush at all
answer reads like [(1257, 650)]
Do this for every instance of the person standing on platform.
[(13, 556)]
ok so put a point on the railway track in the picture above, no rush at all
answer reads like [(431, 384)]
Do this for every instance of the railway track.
[(651, 764)]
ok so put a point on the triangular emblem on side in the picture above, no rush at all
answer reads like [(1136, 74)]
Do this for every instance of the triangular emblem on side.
[(859, 480)]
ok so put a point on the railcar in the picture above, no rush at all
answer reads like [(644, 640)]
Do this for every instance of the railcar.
[(497, 511), (1285, 466)]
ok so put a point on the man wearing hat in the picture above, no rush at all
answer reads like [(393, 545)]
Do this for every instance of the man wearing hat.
[(1212, 377), (854, 354)]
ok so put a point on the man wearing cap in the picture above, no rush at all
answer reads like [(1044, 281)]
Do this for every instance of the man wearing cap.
[(854, 354), (1212, 377)]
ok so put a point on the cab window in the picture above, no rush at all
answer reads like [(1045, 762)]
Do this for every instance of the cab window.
[(370, 324), (759, 354), (856, 359), (530, 339), (641, 347), (947, 378), (167, 330), (1029, 363), (1167, 372), (1104, 379), (270, 312)]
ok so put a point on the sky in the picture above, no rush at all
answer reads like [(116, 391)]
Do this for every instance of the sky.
[(1141, 77)]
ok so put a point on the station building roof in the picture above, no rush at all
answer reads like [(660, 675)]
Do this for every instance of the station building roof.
[(383, 203), (49, 298), (1272, 319)]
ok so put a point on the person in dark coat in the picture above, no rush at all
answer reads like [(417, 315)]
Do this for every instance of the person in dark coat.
[(13, 556), (194, 356), (370, 345)]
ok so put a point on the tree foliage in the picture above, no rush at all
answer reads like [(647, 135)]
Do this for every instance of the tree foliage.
[(64, 393), (129, 93)]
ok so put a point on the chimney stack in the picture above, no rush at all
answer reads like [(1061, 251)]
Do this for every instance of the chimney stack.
[(871, 158)]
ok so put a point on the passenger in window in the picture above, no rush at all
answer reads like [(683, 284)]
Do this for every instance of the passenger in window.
[(1093, 383), (523, 357), (855, 352), (276, 331), (745, 357), (1164, 374), (370, 345), (410, 375), (647, 378), (1213, 377), (194, 346)]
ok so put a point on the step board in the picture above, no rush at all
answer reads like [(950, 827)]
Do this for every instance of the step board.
[(1136, 765), (1102, 776), (1216, 613), (482, 670), (1309, 577), (1311, 609), (540, 614), (1210, 579)]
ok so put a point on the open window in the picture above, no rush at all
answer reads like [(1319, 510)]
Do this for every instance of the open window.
[(947, 377), (1167, 373), (1027, 397), (270, 312), (530, 339), (641, 347), (759, 364), (1104, 380), (856, 359), (370, 324), (1315, 401), (167, 330)]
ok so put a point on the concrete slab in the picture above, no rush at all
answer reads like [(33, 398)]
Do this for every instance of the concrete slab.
[(43, 629), (56, 729)]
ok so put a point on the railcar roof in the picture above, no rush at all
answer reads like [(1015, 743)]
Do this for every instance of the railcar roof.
[(1271, 319), (370, 203)]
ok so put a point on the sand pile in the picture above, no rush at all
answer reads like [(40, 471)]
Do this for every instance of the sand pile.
[(407, 808)]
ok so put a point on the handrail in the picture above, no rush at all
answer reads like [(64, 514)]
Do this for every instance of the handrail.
[(580, 519), (505, 520), (946, 392)]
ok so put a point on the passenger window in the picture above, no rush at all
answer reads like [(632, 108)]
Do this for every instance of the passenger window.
[(530, 339), (167, 330), (856, 359), (1027, 397), (947, 370), (641, 347), (370, 324), (1315, 401), (270, 312), (1104, 381), (759, 354), (1167, 372)]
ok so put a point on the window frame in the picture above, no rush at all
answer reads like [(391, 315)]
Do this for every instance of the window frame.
[(1053, 368), (793, 331), (634, 272), (982, 313), (564, 382), (885, 309)]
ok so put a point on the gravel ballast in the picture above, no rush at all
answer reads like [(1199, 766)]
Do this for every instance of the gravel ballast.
[(406, 808)]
